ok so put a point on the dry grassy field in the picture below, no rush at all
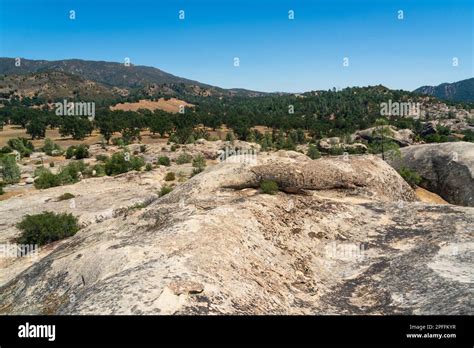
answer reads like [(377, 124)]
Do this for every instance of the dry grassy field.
[(170, 105)]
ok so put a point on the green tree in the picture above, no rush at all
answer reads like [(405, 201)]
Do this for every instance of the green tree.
[(160, 123), (382, 142), (36, 128), (77, 127)]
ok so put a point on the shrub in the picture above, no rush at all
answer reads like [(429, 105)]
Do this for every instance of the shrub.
[(99, 169), (9, 170), (39, 170), (230, 136), (120, 142), (66, 196), (136, 163), (22, 145), (70, 152), (410, 176), (199, 163), (6, 149), (67, 175), (336, 151), (165, 190), (101, 158), (170, 176), (70, 173), (142, 148), (313, 152), (173, 148), (148, 167), (82, 151), (46, 180), (164, 161), (184, 158), (118, 163), (182, 177), (51, 149), (51, 164), (269, 187), (47, 227)]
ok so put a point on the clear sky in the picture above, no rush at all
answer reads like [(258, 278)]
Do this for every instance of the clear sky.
[(276, 53)]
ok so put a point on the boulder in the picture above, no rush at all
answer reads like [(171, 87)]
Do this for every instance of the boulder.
[(403, 137), (446, 168)]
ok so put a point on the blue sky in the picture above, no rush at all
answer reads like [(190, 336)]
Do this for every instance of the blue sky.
[(276, 54)]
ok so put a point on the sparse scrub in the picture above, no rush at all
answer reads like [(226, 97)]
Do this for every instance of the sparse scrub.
[(164, 161), (65, 196), (67, 175), (313, 152), (184, 158), (165, 190), (269, 187), (199, 163), (101, 158), (52, 149), (170, 176), (410, 176), (99, 170)]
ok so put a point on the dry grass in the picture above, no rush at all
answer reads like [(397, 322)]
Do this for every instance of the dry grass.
[(429, 197), (171, 105)]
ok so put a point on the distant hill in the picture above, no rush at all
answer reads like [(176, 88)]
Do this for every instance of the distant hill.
[(54, 85), (113, 74), (462, 91)]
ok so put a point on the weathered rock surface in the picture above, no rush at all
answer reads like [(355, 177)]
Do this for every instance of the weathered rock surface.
[(216, 245), (447, 169), (403, 137), (327, 144)]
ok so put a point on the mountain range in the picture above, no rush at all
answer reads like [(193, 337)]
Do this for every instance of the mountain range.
[(462, 91), (109, 75), (84, 78)]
